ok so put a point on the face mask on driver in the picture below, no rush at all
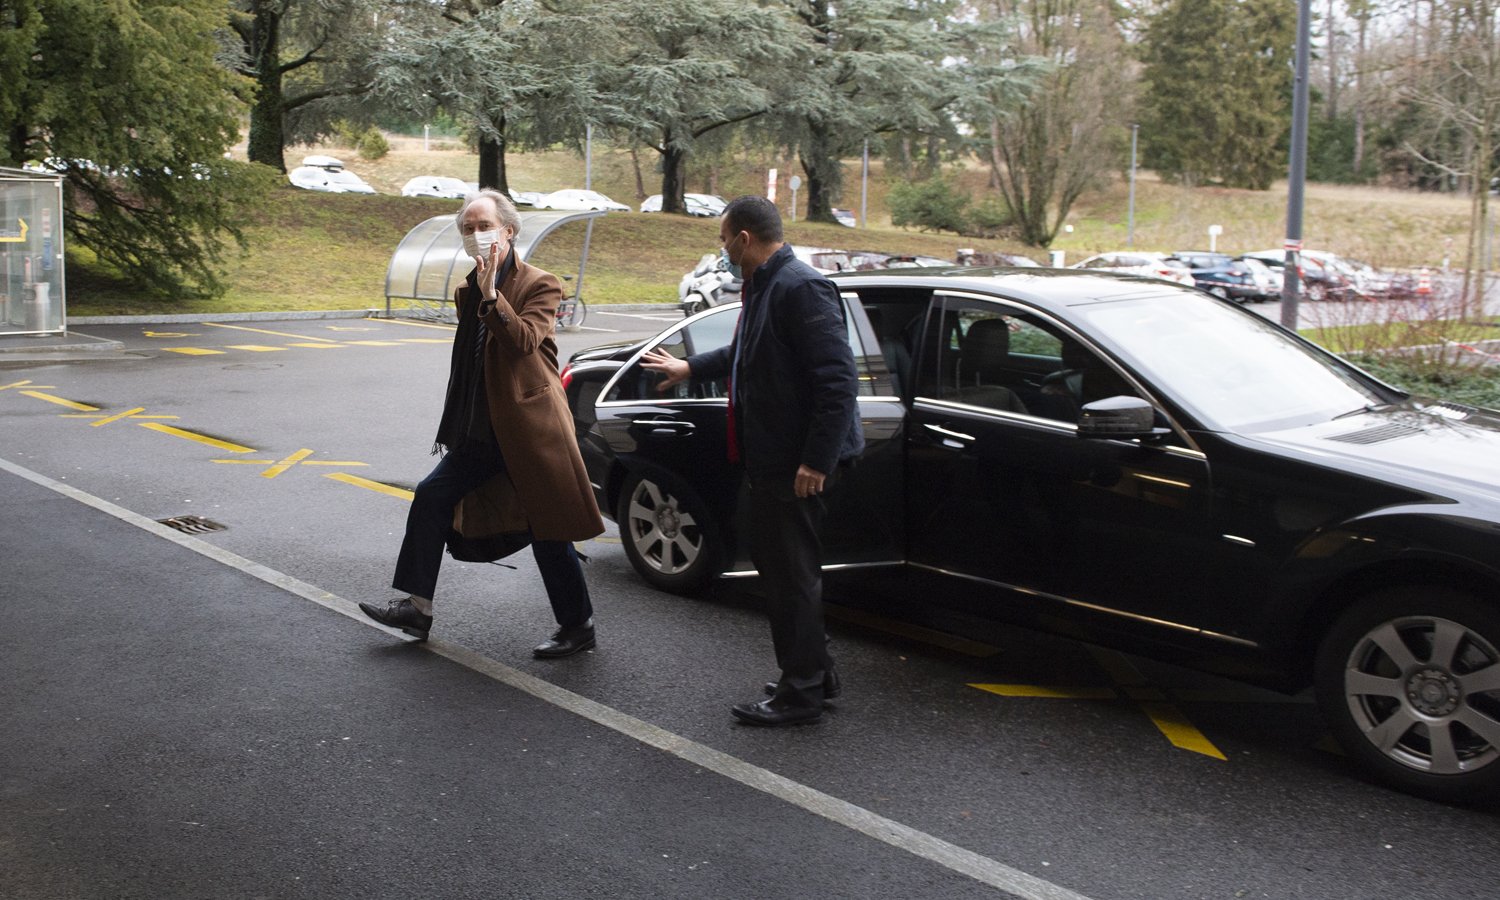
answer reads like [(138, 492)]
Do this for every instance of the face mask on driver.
[(480, 242)]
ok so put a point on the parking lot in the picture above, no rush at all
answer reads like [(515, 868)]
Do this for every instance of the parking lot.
[(995, 761)]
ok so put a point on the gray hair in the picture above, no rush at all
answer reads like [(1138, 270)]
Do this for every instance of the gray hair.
[(505, 209)]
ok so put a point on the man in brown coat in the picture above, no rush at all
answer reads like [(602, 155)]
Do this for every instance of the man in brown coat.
[(512, 471)]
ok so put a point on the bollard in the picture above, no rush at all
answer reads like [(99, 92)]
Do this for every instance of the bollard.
[(1424, 282)]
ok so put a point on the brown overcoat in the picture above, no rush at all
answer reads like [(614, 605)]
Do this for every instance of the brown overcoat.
[(546, 487)]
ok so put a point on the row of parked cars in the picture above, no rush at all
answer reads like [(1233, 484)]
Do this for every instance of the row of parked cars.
[(1257, 277)]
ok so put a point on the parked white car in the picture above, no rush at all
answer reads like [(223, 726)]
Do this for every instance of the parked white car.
[(707, 206), (325, 173), (1151, 265), (574, 198), (438, 186)]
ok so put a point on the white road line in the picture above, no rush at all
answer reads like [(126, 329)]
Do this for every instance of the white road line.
[(902, 837)]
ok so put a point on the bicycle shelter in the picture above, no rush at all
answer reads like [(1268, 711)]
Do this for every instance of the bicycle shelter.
[(31, 253), (430, 262)]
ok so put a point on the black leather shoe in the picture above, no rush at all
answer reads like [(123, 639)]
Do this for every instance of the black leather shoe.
[(774, 713), (567, 641), (402, 614), (832, 686)]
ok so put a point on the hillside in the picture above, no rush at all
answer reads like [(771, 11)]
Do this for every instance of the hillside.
[(328, 251)]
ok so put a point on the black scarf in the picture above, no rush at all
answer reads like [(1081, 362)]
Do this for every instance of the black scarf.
[(466, 414)]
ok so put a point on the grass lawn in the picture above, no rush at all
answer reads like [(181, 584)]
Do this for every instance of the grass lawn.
[(312, 251)]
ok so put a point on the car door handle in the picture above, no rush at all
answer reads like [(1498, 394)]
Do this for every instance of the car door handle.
[(665, 426), (955, 439)]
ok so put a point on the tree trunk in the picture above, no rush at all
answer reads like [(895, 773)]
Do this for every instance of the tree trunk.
[(492, 159), (267, 137), (640, 182), (1333, 69), (1359, 94), (673, 163), (822, 172)]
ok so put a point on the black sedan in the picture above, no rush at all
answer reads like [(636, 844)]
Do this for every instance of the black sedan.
[(1223, 276), (1130, 462)]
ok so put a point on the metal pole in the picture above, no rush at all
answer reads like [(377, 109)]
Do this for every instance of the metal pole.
[(588, 159), (426, 134), (1291, 287), (1135, 131), (864, 187)]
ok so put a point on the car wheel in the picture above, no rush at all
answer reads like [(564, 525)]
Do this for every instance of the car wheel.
[(1219, 292), (1409, 681), (1316, 292), (668, 537)]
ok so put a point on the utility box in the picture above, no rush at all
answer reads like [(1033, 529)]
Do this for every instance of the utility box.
[(32, 287)]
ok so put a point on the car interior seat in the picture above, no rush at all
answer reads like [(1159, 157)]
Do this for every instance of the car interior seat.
[(983, 364)]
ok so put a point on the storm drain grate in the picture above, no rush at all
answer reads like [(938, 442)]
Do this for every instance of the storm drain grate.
[(192, 524)]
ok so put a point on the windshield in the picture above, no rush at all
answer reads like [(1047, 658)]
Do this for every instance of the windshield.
[(344, 176), (1233, 371)]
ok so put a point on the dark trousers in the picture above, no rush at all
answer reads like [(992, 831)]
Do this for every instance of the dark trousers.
[(431, 518), (788, 552)]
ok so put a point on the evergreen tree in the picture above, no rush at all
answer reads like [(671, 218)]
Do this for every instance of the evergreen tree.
[(1216, 90), (129, 102)]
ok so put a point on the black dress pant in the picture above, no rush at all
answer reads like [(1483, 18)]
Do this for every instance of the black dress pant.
[(431, 517), (787, 550)]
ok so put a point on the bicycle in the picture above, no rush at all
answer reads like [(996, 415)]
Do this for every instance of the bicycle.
[(570, 313)]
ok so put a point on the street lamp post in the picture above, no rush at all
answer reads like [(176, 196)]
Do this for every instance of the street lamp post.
[(1291, 287), (1135, 131)]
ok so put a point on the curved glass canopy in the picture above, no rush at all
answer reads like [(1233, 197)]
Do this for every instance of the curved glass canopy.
[(430, 263)]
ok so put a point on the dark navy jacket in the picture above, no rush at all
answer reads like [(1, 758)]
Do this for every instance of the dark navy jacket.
[(796, 388)]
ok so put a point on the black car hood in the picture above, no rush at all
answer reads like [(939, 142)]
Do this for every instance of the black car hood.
[(1436, 446)]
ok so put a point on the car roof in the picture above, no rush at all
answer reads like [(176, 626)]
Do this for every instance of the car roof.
[(1041, 287)]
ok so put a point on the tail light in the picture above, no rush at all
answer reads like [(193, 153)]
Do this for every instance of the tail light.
[(566, 375)]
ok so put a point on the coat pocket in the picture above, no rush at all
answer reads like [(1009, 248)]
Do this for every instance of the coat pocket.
[(536, 392)]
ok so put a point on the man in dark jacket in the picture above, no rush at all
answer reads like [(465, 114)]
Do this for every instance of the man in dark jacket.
[(793, 418)]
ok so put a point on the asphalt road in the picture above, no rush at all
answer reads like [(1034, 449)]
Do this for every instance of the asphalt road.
[(176, 725)]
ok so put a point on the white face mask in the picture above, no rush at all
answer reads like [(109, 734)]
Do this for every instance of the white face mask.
[(480, 242)]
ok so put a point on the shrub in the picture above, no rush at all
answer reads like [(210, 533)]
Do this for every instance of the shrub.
[(989, 218), (931, 205), (373, 145)]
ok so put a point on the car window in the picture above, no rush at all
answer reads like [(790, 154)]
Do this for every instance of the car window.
[(1004, 358), (716, 329)]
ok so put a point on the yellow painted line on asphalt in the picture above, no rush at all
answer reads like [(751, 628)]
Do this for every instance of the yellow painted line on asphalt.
[(195, 436), (70, 404), (16, 384), (118, 416), (425, 340), (414, 324), (286, 463), (607, 540), (319, 346), (1048, 693), (256, 348), (915, 632), (300, 337), (1170, 721), (369, 485), (375, 343), (192, 351)]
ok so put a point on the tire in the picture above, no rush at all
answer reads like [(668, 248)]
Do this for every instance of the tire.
[(571, 313), (697, 306), (1219, 292), (669, 538), (1316, 292), (1409, 681)]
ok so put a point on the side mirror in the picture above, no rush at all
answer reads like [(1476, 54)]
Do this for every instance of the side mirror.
[(1119, 418)]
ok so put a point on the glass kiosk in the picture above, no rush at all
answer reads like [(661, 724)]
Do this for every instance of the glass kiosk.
[(31, 253)]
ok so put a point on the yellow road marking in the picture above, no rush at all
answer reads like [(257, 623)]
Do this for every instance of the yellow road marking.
[(1048, 693), (16, 384), (426, 340), (191, 351), (414, 324), (375, 343), (915, 632), (350, 328), (286, 463), (70, 404), (1170, 721), (256, 348), (318, 346), (367, 484), (118, 416), (608, 540), (300, 337), (167, 334), (194, 436)]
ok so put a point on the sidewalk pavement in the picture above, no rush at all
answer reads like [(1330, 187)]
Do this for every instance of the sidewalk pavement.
[(175, 726)]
